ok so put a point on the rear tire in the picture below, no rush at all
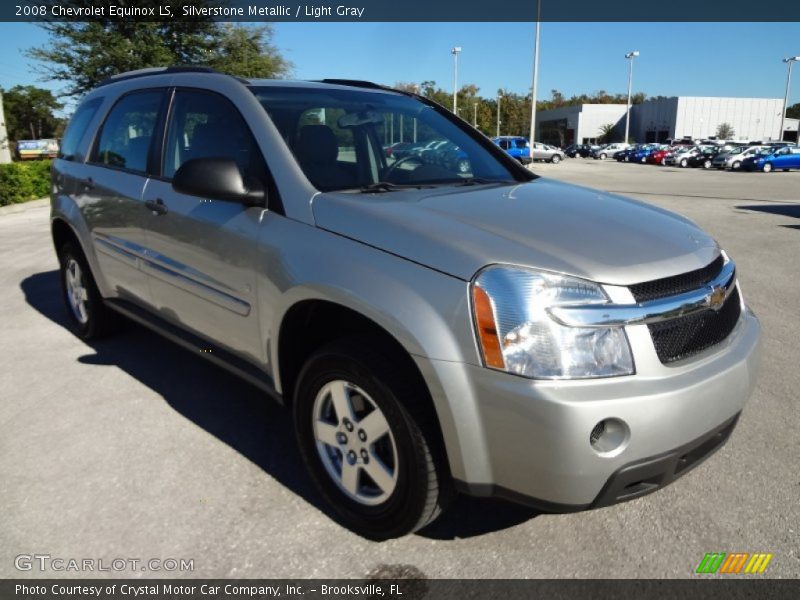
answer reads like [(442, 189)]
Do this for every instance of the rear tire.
[(767, 168), (735, 166), (707, 164), (684, 163), (88, 315), (411, 483)]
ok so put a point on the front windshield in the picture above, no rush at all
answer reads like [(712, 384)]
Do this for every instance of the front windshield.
[(350, 139)]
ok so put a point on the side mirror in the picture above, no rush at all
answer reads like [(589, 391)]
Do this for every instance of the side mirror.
[(218, 179)]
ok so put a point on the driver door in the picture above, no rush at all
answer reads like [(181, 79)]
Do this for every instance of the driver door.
[(203, 250)]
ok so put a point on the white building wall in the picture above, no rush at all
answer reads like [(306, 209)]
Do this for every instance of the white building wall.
[(751, 118), (654, 115), (594, 116)]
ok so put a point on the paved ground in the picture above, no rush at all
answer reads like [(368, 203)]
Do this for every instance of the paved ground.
[(133, 448)]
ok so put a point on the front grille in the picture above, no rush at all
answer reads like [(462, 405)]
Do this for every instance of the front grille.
[(684, 336), (678, 284)]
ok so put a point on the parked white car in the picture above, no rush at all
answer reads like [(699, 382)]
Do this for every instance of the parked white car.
[(733, 159), (608, 151)]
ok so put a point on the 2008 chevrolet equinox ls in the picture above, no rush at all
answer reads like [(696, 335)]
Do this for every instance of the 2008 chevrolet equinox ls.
[(434, 327)]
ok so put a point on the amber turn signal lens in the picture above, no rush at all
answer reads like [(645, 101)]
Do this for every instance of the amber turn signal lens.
[(487, 330)]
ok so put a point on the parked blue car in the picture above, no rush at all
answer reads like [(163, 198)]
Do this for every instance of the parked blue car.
[(643, 152), (769, 159), (516, 146)]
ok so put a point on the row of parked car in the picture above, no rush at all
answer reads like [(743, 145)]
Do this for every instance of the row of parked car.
[(749, 156), (448, 155), (729, 155)]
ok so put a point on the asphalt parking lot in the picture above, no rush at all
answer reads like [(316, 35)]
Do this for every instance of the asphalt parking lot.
[(134, 448)]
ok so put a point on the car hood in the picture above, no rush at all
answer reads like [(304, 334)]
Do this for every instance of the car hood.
[(544, 224)]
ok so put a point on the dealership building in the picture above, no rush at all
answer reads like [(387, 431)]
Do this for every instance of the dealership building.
[(661, 119)]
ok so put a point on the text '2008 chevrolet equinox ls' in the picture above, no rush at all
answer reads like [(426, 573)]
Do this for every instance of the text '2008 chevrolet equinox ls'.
[(433, 329)]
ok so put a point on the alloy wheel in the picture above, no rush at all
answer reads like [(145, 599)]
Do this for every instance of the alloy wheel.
[(355, 443), (77, 294)]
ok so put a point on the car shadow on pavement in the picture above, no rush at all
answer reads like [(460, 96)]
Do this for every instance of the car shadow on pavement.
[(237, 413), (785, 209)]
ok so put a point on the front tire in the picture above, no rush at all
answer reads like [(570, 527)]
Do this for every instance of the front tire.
[(684, 163), (735, 166), (767, 168), (382, 471), (707, 164), (603, 156), (556, 159), (88, 315)]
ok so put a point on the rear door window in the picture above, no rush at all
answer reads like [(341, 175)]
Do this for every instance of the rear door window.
[(126, 135)]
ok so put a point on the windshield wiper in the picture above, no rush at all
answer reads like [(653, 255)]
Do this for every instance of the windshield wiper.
[(385, 186), (480, 181)]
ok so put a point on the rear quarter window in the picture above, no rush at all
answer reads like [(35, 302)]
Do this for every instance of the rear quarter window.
[(77, 127)]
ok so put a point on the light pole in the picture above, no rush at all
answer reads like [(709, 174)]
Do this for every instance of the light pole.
[(791, 60), (455, 51), (630, 56), (499, 95), (535, 72), (5, 153), (475, 115)]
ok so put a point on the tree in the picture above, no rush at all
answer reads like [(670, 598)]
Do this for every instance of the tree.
[(82, 54), (30, 113), (606, 131), (248, 52), (725, 131), (793, 111)]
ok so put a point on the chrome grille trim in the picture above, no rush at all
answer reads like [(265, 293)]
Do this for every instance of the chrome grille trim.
[(711, 296)]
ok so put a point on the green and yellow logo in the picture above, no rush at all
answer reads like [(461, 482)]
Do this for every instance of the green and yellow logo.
[(734, 562)]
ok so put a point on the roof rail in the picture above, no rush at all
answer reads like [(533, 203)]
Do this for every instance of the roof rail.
[(161, 70), (353, 83), (364, 84)]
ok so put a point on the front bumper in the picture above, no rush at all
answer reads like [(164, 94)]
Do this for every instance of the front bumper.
[(529, 440)]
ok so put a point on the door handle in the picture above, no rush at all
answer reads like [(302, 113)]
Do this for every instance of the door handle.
[(157, 206)]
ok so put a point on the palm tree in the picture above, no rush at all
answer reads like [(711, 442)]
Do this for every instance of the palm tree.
[(606, 131)]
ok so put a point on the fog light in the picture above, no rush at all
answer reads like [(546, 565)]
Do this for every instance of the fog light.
[(609, 437)]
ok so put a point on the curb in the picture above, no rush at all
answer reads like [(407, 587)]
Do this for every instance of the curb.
[(24, 206)]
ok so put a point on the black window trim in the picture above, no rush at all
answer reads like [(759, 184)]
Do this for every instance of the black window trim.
[(91, 158)]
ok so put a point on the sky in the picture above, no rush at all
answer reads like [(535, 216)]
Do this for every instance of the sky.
[(689, 59)]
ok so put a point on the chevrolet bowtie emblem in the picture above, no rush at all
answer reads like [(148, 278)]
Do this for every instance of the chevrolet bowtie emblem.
[(716, 297)]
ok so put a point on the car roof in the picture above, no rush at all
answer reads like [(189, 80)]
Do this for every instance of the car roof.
[(196, 69)]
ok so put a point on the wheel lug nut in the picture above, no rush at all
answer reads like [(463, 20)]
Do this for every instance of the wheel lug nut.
[(341, 438), (348, 425), (364, 455), (351, 457), (362, 435)]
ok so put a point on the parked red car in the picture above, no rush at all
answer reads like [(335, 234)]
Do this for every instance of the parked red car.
[(659, 156)]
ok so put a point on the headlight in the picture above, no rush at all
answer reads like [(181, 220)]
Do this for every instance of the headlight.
[(516, 334)]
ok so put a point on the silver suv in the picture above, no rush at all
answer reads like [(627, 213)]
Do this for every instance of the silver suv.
[(433, 329)]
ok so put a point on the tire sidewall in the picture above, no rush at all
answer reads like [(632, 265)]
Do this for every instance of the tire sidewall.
[(397, 515)]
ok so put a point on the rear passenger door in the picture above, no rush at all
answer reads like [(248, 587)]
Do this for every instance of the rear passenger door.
[(202, 250), (110, 191)]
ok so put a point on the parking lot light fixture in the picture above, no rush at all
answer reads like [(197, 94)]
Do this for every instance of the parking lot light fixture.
[(630, 56), (455, 52), (535, 75), (790, 60), (499, 96)]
